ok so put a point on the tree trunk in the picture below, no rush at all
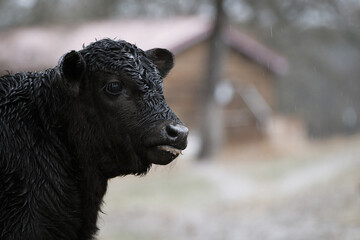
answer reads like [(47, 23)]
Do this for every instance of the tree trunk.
[(211, 120)]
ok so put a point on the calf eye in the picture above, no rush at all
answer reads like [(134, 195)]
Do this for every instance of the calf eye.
[(113, 88)]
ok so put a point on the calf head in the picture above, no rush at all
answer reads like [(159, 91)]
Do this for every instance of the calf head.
[(117, 119)]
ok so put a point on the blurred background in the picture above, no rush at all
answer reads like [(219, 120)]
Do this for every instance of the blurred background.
[(270, 91)]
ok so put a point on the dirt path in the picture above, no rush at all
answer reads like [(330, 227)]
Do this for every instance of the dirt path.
[(299, 197)]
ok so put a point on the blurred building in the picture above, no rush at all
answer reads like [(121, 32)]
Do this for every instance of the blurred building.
[(247, 91)]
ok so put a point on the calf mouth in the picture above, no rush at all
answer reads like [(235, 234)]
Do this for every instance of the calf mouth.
[(174, 151), (163, 154)]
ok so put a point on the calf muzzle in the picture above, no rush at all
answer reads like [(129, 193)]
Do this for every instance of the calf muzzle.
[(176, 135), (170, 143)]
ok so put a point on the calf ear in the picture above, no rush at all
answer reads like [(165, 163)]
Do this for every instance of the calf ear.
[(72, 66), (162, 58)]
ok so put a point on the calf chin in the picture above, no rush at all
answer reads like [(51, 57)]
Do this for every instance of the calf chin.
[(162, 155)]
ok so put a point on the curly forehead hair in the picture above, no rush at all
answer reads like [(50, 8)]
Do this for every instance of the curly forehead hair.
[(122, 57), (114, 56)]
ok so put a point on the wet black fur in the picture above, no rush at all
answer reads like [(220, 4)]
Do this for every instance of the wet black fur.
[(62, 137)]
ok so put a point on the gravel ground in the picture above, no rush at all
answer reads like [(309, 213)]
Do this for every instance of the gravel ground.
[(312, 194)]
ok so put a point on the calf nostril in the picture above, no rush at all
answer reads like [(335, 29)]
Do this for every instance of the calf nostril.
[(176, 131), (172, 131)]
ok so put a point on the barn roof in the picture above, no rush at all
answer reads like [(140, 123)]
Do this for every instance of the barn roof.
[(41, 47)]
